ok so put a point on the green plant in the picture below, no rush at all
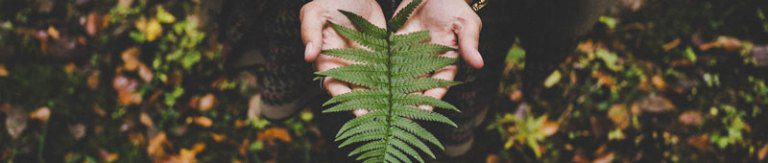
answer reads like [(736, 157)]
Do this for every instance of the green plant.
[(390, 67)]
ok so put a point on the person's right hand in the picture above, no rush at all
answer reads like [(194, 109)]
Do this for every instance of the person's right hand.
[(318, 35)]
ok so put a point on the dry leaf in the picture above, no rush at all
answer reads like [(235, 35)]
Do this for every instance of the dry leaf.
[(201, 121), (655, 104), (692, 118), (274, 133), (218, 137), (207, 102), (16, 122), (130, 59), (93, 80), (92, 23), (607, 158), (516, 96), (619, 115), (146, 120), (157, 144), (492, 158), (3, 71), (604, 79), (53, 32), (549, 128), (700, 142), (70, 68), (587, 47), (77, 130), (145, 73), (41, 114), (136, 138), (671, 45), (658, 82), (762, 152)]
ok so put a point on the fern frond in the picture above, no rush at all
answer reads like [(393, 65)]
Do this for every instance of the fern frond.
[(391, 67)]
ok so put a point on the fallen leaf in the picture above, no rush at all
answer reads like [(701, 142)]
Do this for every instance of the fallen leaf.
[(53, 32), (619, 115), (16, 122), (77, 130), (201, 121), (587, 47), (607, 158), (130, 59), (700, 142), (92, 23), (655, 104), (274, 133), (93, 80), (3, 71), (762, 152), (553, 79), (218, 137), (157, 145), (207, 102), (516, 96), (145, 73), (136, 138), (492, 158), (691, 118), (671, 45), (604, 79), (146, 120), (153, 30), (549, 128), (70, 68), (41, 114), (658, 82)]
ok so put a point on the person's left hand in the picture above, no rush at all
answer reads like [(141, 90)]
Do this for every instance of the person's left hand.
[(452, 23)]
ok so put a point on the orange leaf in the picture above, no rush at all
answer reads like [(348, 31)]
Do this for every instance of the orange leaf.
[(762, 153), (274, 133), (41, 114), (3, 71), (157, 144)]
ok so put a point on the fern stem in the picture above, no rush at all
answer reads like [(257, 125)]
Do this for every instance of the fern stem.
[(390, 95)]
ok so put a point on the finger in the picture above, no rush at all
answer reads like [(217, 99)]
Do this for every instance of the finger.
[(446, 73), (469, 35), (312, 23), (335, 87)]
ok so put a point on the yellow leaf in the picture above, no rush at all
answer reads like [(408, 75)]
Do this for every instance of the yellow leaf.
[(53, 32), (553, 79), (153, 30), (164, 16)]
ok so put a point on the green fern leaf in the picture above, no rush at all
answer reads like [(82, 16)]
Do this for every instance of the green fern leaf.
[(392, 68)]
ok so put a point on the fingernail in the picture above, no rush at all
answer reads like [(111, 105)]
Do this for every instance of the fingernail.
[(308, 48)]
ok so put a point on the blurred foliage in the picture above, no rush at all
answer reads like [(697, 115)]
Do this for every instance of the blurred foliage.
[(139, 80)]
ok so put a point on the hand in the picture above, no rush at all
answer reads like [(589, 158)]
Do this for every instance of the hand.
[(317, 35), (447, 19)]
